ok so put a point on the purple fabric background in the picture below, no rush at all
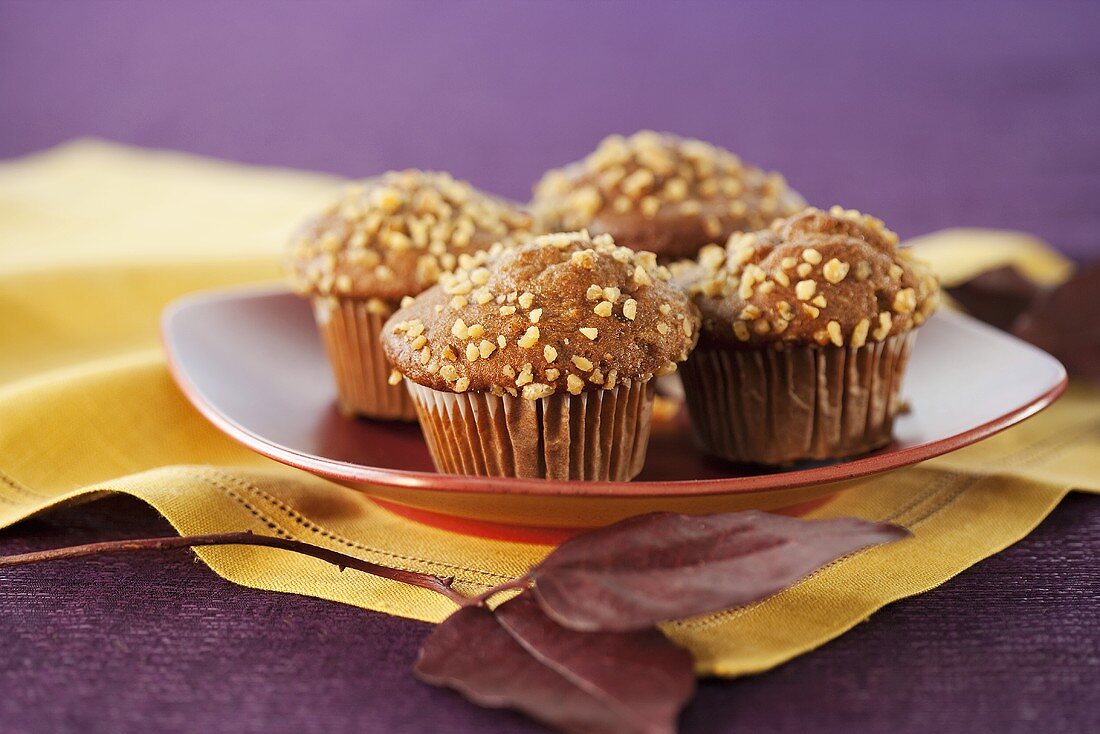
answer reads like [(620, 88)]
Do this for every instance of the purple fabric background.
[(935, 115)]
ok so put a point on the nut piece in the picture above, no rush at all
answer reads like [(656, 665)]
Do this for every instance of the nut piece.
[(537, 390), (835, 271), (529, 338)]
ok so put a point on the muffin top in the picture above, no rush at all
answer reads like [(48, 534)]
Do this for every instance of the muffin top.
[(563, 313), (392, 236), (826, 278), (659, 192)]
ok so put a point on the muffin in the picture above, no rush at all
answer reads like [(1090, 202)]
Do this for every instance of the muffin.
[(386, 239), (661, 193), (538, 361), (807, 327)]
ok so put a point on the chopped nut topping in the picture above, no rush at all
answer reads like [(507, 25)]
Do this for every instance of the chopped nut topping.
[(582, 363), (549, 353), (486, 348), (750, 312), (526, 299), (535, 315), (529, 338), (859, 334), (752, 266), (584, 259), (835, 270), (662, 327), (603, 308), (905, 301), (885, 323), (574, 384), (480, 276), (537, 390), (589, 332), (630, 308), (394, 378), (472, 352)]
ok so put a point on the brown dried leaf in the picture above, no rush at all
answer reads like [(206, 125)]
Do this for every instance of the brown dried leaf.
[(663, 566), (519, 658), (1064, 322)]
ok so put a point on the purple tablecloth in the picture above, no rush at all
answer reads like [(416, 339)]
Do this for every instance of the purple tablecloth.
[(929, 116)]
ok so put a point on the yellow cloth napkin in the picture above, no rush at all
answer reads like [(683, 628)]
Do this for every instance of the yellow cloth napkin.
[(95, 239)]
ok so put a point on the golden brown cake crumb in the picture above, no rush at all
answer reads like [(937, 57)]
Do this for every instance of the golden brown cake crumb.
[(659, 192), (828, 278), (564, 313), (392, 236)]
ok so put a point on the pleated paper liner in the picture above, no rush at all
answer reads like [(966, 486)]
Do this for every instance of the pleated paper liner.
[(763, 406), (599, 435), (349, 329)]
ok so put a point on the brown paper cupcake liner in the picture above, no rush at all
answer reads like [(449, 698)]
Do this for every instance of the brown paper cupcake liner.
[(350, 328), (776, 407), (597, 435)]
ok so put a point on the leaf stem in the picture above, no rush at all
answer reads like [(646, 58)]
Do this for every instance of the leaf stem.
[(439, 585), (517, 583)]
